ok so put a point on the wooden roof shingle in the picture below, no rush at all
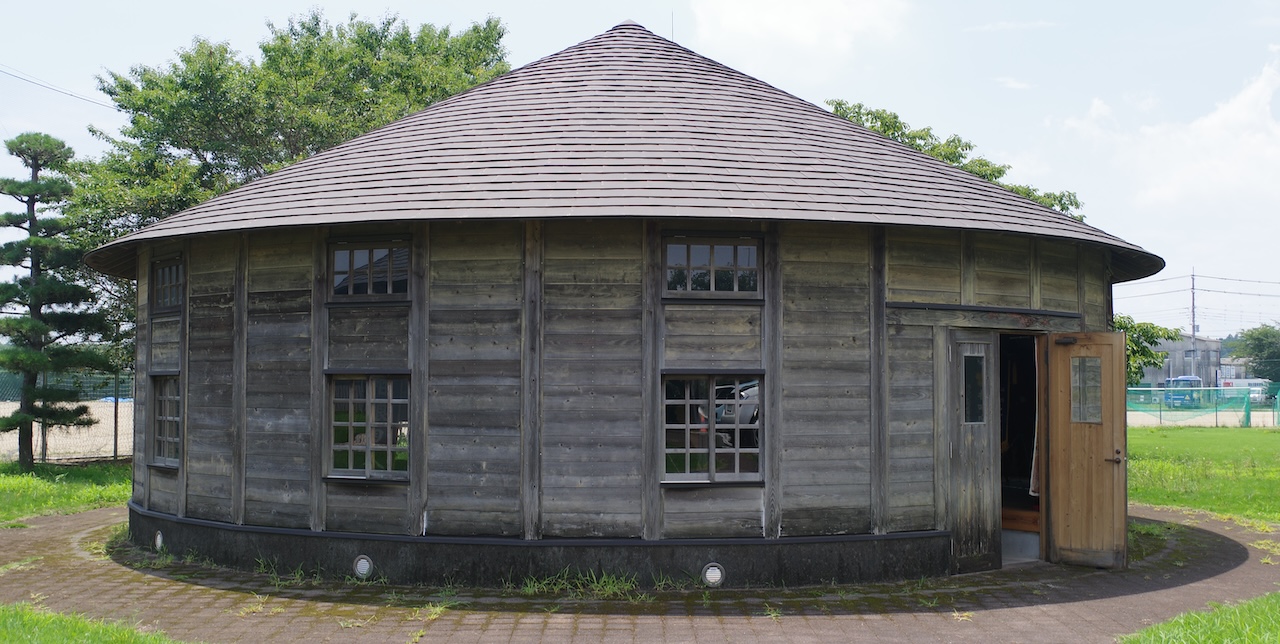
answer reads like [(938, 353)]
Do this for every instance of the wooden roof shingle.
[(626, 124)]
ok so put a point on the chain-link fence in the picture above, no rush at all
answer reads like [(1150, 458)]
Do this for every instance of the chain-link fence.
[(110, 401), (1200, 407)]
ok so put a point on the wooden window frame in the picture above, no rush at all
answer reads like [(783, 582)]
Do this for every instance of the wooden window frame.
[(736, 443), (343, 256), (166, 420), (168, 283), (352, 450), (737, 268)]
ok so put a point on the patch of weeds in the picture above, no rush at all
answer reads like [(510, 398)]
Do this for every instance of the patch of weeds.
[(663, 582), (258, 605), (1146, 539), (21, 564), (417, 637), (15, 525), (966, 616), (1269, 546), (357, 623), (772, 612), (432, 611), (1269, 561), (588, 585), (706, 599), (928, 603), (380, 580), (551, 608)]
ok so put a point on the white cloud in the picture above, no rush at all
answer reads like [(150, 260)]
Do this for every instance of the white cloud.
[(1006, 25), (766, 38), (1008, 82)]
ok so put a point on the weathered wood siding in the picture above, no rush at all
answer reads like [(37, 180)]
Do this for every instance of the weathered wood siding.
[(1002, 271), (1096, 272), (163, 492), (279, 428), (911, 391), (473, 451), (1058, 270), (712, 336), (209, 428), (365, 507), (370, 338), (717, 511), (923, 265), (592, 439), (166, 343), (826, 442)]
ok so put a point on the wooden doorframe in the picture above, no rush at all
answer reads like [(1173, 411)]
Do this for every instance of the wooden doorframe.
[(974, 462)]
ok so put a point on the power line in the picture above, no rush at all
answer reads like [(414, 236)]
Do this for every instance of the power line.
[(1125, 297), (27, 78), (1144, 282)]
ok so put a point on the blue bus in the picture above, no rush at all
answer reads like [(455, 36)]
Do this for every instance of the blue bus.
[(1183, 391)]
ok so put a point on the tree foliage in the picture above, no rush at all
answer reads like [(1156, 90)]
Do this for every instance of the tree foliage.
[(952, 150), (212, 119), (1141, 339), (51, 321), (1261, 347)]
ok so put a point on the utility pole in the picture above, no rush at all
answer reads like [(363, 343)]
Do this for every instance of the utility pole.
[(1195, 346)]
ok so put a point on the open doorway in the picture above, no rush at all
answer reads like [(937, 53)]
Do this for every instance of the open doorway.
[(1019, 471)]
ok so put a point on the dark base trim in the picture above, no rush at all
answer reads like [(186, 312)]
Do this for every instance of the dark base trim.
[(490, 561)]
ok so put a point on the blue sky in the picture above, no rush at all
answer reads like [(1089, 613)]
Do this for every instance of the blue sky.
[(1160, 115)]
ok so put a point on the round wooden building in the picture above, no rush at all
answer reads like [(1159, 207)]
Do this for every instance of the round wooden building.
[(628, 310)]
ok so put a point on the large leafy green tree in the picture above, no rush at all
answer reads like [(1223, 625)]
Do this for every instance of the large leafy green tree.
[(1261, 347), (51, 320), (1141, 339), (213, 119), (953, 150)]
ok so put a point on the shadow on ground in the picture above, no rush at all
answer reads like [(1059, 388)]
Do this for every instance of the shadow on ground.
[(1173, 554)]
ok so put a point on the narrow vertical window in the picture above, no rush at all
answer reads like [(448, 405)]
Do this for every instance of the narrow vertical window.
[(974, 389), (168, 285), (166, 420), (370, 426), (1086, 390)]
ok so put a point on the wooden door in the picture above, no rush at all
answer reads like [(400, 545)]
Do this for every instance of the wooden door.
[(1086, 496), (975, 454)]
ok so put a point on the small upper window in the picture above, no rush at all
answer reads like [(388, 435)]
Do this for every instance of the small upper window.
[(723, 267), (167, 285), (371, 269)]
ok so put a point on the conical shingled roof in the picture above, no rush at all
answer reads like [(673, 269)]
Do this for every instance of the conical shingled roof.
[(626, 124)]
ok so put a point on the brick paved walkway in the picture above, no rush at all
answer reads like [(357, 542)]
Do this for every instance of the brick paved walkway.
[(53, 563)]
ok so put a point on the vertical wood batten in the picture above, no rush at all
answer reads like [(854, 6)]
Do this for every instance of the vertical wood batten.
[(319, 386), (419, 366), (650, 419), (944, 410), (1037, 300), (772, 332), (531, 383), (184, 395), (142, 393), (879, 386), (1082, 289), (239, 377), (968, 269)]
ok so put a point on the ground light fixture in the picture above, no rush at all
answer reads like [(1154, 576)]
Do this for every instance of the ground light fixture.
[(363, 567), (713, 574), (159, 541)]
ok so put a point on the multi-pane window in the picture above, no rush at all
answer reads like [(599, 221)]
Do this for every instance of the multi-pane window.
[(166, 420), (370, 426), (370, 269), (167, 285), (712, 428), (713, 266)]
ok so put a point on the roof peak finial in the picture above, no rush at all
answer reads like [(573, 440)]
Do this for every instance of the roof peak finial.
[(629, 23)]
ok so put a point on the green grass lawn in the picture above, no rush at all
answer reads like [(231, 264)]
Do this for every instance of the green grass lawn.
[(62, 489), (1231, 471), (1257, 620), (25, 623)]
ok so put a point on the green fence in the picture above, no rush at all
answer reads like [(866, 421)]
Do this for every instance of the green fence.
[(1199, 407), (110, 401)]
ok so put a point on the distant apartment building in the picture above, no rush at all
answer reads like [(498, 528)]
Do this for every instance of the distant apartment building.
[(1190, 356)]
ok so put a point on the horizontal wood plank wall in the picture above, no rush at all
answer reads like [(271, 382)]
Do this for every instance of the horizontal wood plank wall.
[(142, 393), (278, 428), (826, 443), (592, 438), (210, 428), (1058, 267), (1002, 271), (911, 393), (923, 265), (712, 336), (1096, 270), (166, 343), (163, 493), (369, 338), (714, 511), (473, 451), (360, 507)]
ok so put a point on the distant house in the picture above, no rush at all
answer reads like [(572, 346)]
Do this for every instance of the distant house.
[(627, 309)]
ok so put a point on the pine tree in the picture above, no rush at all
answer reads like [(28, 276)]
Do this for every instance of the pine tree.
[(49, 321)]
